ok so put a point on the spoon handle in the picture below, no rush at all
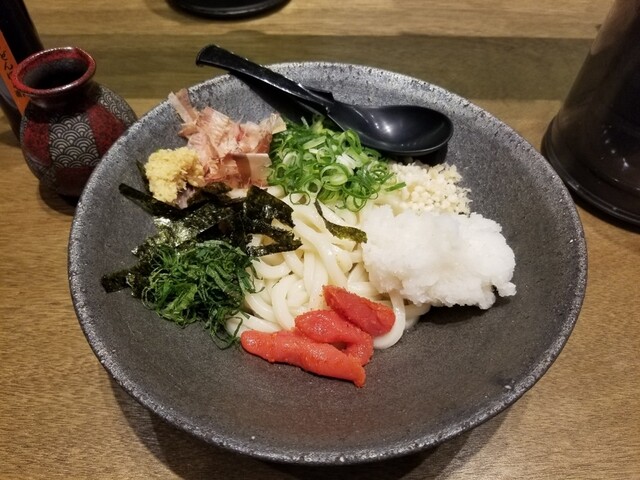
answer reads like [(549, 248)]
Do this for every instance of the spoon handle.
[(216, 56)]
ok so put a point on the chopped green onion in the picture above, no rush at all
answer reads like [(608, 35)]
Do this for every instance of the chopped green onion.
[(313, 162)]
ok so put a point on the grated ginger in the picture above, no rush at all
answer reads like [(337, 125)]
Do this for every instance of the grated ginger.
[(169, 172)]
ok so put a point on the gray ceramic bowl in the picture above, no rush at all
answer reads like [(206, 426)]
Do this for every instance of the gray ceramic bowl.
[(457, 368)]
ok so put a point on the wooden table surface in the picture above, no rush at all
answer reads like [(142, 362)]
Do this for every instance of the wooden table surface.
[(61, 416)]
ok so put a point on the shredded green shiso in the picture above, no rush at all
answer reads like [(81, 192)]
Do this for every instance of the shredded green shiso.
[(203, 282), (332, 166)]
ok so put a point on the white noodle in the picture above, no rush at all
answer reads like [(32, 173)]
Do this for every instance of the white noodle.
[(297, 296), (294, 262), (321, 245), (266, 271), (291, 283), (250, 322), (260, 306), (391, 338), (279, 302)]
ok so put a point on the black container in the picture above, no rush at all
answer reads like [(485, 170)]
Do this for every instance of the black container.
[(228, 9), (594, 140), (18, 40)]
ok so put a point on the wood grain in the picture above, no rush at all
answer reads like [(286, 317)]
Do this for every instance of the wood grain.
[(61, 416), (478, 18)]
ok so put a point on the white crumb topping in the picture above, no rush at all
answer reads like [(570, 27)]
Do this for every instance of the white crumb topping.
[(428, 188)]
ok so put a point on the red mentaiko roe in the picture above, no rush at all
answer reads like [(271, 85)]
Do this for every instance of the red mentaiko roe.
[(295, 349), (372, 317)]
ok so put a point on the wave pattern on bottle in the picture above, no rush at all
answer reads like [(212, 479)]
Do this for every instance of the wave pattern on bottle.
[(71, 141), (114, 104)]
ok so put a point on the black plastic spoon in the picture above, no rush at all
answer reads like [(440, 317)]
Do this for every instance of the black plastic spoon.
[(394, 129)]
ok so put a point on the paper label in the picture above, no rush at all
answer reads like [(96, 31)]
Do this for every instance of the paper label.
[(7, 65)]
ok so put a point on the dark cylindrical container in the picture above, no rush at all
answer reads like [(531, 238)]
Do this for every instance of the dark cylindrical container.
[(594, 140), (18, 40)]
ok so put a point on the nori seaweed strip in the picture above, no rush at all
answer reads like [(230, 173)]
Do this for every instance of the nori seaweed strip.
[(150, 204), (219, 217), (283, 240), (216, 189), (115, 281), (259, 251), (135, 277), (187, 228), (259, 209), (214, 192), (342, 231), (158, 208), (254, 216), (261, 204), (143, 175)]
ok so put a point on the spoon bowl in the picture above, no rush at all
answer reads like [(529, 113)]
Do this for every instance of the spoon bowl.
[(397, 129), (404, 130)]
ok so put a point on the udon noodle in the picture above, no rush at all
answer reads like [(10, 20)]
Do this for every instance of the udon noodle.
[(290, 283)]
